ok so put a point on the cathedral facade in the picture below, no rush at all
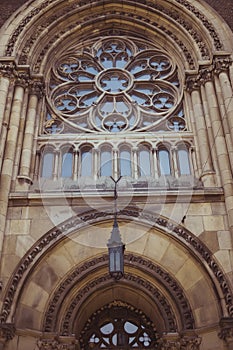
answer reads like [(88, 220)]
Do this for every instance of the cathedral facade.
[(116, 124)]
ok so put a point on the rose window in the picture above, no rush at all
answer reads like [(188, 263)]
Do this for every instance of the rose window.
[(114, 85)]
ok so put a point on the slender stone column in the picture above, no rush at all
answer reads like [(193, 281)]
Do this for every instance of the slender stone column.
[(206, 171), (115, 163), (155, 163), (221, 150), (6, 73), (11, 145), (227, 98), (26, 156), (56, 164), (135, 162), (76, 156), (174, 161), (96, 163)]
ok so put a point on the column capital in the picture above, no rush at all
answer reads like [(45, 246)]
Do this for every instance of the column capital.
[(221, 63), (226, 329), (36, 87), (7, 332), (195, 80), (7, 69)]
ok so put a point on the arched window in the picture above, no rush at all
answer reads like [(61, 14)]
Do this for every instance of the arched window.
[(183, 161), (144, 161), (86, 161), (47, 166), (106, 162), (125, 162), (67, 164), (164, 162), (119, 327)]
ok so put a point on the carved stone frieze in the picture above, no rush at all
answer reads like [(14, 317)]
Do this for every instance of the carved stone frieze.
[(57, 234), (159, 298), (56, 343), (179, 343)]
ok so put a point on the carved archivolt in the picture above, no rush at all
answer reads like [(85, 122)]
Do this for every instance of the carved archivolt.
[(159, 275), (56, 235), (155, 9)]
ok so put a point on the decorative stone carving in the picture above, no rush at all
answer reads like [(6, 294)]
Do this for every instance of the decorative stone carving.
[(194, 82), (56, 344), (172, 342), (153, 6), (7, 69), (221, 63), (159, 274), (226, 333), (7, 332)]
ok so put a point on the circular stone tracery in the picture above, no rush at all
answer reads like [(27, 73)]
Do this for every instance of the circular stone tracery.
[(115, 84)]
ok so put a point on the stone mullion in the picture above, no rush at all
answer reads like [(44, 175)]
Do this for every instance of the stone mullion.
[(9, 157), (57, 154), (174, 162), (221, 150), (155, 163), (96, 164), (115, 163), (75, 167), (206, 171), (136, 170)]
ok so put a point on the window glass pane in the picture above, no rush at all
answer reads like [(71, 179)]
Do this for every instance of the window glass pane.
[(144, 163), (164, 162), (106, 163), (47, 165), (125, 163), (86, 159), (67, 164), (183, 159)]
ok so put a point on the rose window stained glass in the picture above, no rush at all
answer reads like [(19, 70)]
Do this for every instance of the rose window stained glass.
[(114, 85)]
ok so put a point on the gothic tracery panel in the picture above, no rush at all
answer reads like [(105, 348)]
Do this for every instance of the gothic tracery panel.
[(114, 85)]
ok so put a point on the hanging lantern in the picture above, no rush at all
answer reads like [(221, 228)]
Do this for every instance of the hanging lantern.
[(116, 253)]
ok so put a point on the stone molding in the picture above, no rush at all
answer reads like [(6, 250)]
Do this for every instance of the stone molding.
[(153, 7), (75, 277), (61, 231)]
